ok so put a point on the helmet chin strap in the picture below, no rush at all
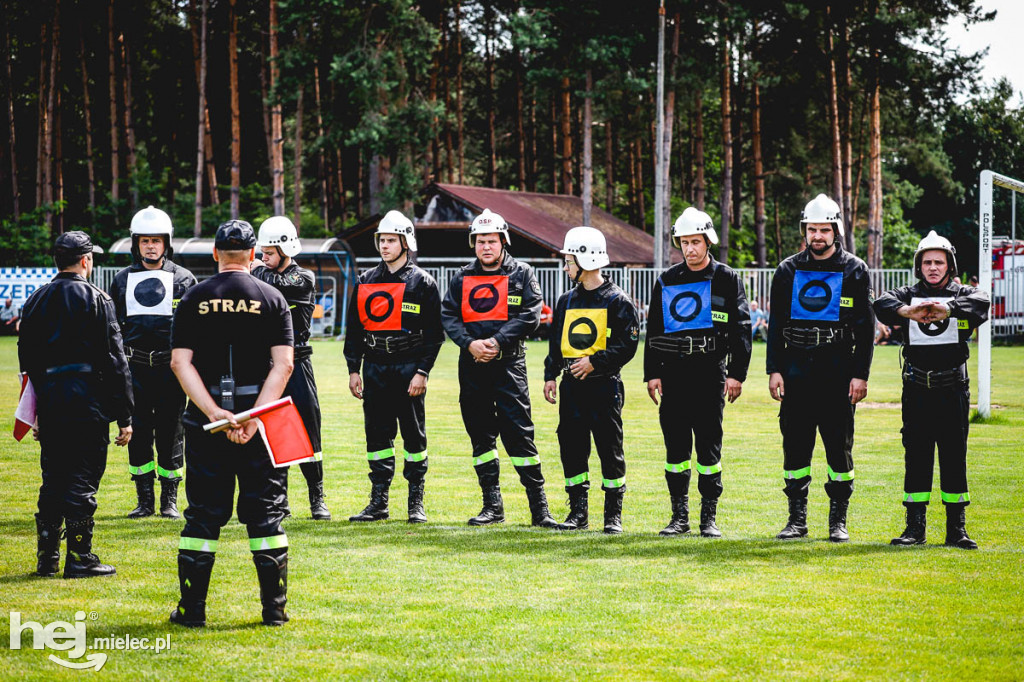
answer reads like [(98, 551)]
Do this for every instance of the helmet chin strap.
[(152, 261), (579, 270)]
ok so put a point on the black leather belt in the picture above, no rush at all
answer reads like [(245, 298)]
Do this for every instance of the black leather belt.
[(80, 368), (940, 378), (512, 353), (683, 345), (811, 337), (239, 390), (154, 358), (394, 344), (303, 352)]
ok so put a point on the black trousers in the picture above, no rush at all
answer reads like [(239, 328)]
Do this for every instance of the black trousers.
[(73, 457), (811, 406), (495, 401), (302, 388), (159, 402), (935, 418), (213, 464), (388, 408), (691, 410), (592, 407)]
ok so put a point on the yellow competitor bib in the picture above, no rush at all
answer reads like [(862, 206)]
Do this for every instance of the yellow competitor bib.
[(585, 332)]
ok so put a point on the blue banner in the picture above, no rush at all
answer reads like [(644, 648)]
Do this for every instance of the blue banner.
[(816, 295), (687, 306)]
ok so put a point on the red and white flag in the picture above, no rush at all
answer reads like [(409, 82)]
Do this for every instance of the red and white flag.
[(25, 414), (281, 429)]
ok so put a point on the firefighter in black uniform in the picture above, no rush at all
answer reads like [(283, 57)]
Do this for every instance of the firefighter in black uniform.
[(279, 243), (394, 332), (697, 353), (490, 307), (231, 350), (820, 343), (940, 316), (594, 332), (70, 347), (145, 294)]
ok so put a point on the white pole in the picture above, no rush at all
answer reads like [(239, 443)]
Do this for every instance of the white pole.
[(985, 284), (659, 169)]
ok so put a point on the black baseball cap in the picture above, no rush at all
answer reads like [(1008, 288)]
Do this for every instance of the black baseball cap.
[(235, 235), (74, 243)]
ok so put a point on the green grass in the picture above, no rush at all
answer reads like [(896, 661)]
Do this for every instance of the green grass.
[(442, 601)]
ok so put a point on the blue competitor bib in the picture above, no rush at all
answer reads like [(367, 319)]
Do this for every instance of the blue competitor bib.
[(686, 306), (816, 295)]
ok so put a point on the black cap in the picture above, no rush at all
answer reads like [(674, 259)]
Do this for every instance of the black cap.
[(235, 235), (74, 243)]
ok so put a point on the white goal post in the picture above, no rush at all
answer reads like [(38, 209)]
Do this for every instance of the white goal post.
[(988, 179)]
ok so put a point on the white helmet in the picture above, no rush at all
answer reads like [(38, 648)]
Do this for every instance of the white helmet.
[(821, 209), (935, 242), (693, 222), (488, 223), (280, 232), (151, 220), (394, 222), (588, 245)]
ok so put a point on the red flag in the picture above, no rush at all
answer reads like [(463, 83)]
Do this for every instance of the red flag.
[(285, 436), (25, 414)]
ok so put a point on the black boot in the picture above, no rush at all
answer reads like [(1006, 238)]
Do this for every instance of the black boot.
[(680, 522), (708, 509), (837, 520), (377, 510), (272, 572), (956, 528), (916, 524), (169, 498), (539, 514), (613, 511), (144, 491), (494, 508), (47, 546), (81, 562), (578, 502), (317, 506), (416, 512), (796, 527), (194, 571)]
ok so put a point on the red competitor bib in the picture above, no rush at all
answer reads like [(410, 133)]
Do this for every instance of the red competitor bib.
[(484, 297), (380, 306)]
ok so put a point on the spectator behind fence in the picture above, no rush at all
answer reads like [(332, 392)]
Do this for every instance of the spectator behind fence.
[(10, 317), (758, 322)]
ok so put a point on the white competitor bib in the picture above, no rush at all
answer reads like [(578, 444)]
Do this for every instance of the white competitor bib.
[(150, 292), (934, 333)]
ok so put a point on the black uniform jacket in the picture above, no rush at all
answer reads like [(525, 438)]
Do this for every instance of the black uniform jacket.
[(601, 323), (935, 346), (678, 292), (145, 305), (70, 346), (298, 286), (815, 285), (394, 304), (502, 304)]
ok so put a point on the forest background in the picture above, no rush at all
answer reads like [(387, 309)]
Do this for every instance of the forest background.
[(330, 111)]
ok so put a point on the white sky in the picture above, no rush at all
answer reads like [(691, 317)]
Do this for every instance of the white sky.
[(1002, 36)]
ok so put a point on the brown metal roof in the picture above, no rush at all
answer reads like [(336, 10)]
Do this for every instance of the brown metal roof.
[(545, 218)]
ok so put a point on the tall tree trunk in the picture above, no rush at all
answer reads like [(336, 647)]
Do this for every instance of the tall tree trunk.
[(587, 181), (492, 141), (666, 145), (874, 250), (517, 64), (435, 68), (115, 154), (9, 85), (833, 110), (58, 163), (566, 119), (699, 185), (44, 56), (374, 188), (634, 192), (449, 146), (297, 160), (340, 181), (236, 130), (276, 132), (211, 169), (609, 166), (458, 90), (87, 107), (321, 154), (554, 143), (760, 220), (360, 183), (265, 97), (727, 158), (129, 125), (778, 230), (846, 130), (198, 223), (737, 147), (48, 126), (532, 147), (640, 207)]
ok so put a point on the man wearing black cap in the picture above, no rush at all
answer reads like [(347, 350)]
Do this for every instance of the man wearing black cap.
[(70, 347), (228, 331)]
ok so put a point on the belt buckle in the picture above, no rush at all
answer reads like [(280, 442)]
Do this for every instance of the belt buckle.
[(371, 341), (689, 349), (387, 345), (928, 379), (703, 348), (149, 356)]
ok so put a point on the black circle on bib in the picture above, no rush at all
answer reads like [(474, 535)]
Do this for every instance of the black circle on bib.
[(150, 292), (483, 298), (673, 308), (369, 306), (934, 329), (817, 302), (585, 339)]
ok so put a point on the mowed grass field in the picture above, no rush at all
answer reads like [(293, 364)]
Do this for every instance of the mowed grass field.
[(446, 601)]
